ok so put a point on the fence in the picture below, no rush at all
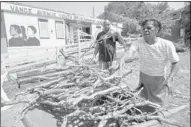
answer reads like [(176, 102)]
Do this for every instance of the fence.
[(30, 55)]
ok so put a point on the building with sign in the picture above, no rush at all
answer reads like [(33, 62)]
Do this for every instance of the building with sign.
[(32, 34), (28, 26)]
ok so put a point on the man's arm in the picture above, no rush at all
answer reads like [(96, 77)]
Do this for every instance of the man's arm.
[(169, 79), (129, 54), (121, 41), (127, 57), (96, 48), (174, 70), (174, 59)]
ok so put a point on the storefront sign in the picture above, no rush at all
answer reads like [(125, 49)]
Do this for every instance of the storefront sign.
[(47, 13)]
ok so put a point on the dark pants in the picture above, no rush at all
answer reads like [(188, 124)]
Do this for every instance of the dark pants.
[(104, 65)]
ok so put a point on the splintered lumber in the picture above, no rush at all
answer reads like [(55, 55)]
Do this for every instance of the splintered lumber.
[(6, 103), (30, 66), (71, 58), (47, 84), (85, 97), (94, 95), (32, 80), (35, 72), (44, 77), (168, 113)]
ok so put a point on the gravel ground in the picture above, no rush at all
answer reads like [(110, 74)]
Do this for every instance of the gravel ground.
[(181, 86)]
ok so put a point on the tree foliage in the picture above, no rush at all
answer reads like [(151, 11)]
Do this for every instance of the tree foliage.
[(132, 13), (185, 23)]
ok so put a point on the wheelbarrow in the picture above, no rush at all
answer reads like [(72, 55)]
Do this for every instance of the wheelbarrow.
[(39, 118)]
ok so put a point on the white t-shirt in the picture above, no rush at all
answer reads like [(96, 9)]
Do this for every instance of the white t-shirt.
[(154, 58)]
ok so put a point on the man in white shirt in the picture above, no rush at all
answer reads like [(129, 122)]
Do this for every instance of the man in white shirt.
[(154, 54)]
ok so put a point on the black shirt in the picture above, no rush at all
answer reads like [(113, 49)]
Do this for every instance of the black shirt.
[(107, 46), (32, 41), (16, 42)]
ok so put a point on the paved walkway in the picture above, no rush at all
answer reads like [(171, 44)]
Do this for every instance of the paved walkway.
[(10, 117)]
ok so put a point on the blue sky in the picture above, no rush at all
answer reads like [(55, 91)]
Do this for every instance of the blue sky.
[(85, 8)]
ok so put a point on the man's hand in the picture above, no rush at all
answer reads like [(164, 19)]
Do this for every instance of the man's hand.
[(94, 58)]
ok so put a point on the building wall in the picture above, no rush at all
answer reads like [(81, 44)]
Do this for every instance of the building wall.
[(96, 29), (26, 20), (24, 16)]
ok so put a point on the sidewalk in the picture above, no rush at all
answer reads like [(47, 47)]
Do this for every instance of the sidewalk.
[(10, 117)]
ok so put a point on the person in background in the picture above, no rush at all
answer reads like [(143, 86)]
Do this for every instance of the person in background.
[(154, 54), (32, 40), (106, 45), (16, 40)]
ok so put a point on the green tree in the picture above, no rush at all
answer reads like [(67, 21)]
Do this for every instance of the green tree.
[(185, 23), (131, 13)]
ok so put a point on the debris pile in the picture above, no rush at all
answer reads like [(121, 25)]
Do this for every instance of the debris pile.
[(80, 96)]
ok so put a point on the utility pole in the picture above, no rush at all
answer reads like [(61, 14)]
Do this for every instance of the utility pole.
[(93, 12), (104, 13)]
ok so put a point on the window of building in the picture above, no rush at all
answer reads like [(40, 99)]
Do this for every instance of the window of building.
[(86, 30), (98, 27), (59, 26), (43, 28)]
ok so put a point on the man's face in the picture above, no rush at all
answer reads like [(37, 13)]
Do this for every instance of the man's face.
[(149, 30), (12, 31), (106, 25)]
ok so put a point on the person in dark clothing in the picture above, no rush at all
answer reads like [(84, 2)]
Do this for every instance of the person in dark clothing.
[(32, 40), (16, 40), (106, 45)]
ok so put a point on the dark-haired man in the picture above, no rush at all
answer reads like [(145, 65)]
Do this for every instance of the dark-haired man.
[(154, 53), (16, 40)]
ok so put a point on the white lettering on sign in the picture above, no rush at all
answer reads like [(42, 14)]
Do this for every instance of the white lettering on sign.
[(45, 13), (21, 9), (41, 12)]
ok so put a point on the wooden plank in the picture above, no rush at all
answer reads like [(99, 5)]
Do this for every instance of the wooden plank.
[(43, 77), (31, 59), (30, 66), (21, 51), (27, 53), (37, 72), (32, 55), (24, 56), (155, 123), (30, 48)]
